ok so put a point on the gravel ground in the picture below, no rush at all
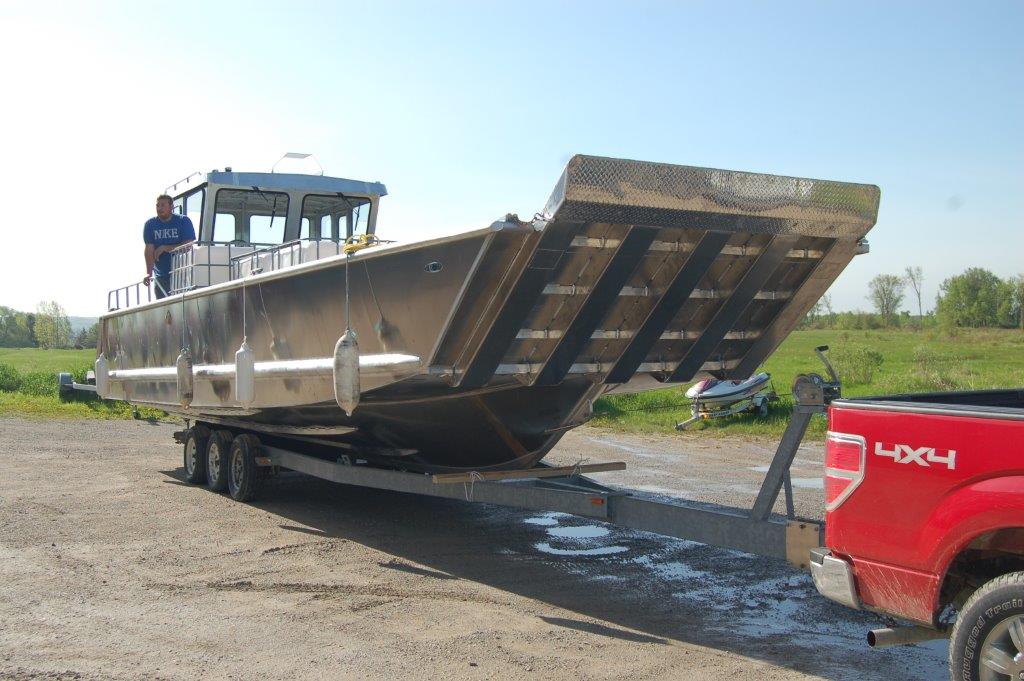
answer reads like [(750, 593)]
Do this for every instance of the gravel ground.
[(112, 567)]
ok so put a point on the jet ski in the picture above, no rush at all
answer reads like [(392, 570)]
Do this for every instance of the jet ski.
[(712, 391), (713, 398)]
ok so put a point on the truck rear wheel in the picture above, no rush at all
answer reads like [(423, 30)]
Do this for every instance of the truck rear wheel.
[(195, 455), (217, 449), (244, 475), (988, 638)]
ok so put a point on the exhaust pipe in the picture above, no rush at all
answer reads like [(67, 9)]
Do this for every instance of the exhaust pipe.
[(901, 636)]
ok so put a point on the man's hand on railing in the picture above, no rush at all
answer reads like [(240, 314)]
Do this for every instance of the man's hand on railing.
[(170, 248), (146, 279)]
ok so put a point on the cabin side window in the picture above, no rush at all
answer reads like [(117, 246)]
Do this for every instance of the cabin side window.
[(251, 216), (334, 216), (359, 219), (194, 208)]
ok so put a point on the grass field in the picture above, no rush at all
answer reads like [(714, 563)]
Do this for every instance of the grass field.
[(34, 359), (870, 363), (28, 386)]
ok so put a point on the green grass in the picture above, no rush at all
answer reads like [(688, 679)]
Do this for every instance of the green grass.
[(28, 387), (921, 361), (34, 359), (53, 406)]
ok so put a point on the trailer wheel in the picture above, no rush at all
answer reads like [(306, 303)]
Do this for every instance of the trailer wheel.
[(217, 449), (195, 455), (762, 409), (244, 475), (988, 638)]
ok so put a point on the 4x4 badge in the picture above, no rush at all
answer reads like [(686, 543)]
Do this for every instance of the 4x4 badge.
[(922, 456)]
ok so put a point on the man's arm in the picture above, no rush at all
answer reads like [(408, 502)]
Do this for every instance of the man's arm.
[(150, 259), (167, 248)]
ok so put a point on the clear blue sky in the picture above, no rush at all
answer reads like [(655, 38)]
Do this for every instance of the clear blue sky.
[(468, 111)]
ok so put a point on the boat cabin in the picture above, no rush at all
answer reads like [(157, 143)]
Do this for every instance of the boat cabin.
[(256, 222)]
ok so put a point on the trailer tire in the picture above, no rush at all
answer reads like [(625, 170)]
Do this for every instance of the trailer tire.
[(989, 631), (217, 449), (244, 475), (195, 455)]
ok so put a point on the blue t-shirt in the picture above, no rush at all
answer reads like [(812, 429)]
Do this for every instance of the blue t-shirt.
[(159, 233)]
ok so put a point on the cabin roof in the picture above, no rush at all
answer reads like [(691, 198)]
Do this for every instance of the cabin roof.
[(279, 181)]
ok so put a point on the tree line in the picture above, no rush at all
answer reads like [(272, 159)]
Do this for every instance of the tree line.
[(48, 327), (975, 298)]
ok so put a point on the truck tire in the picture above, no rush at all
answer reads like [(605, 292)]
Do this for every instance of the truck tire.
[(244, 475), (195, 455), (217, 448), (988, 638)]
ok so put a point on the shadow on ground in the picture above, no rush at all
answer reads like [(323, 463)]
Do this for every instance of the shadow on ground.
[(494, 546)]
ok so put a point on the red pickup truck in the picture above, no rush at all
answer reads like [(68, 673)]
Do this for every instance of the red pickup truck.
[(925, 521)]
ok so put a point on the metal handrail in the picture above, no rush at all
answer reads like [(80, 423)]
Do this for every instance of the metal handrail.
[(116, 294), (274, 256), (184, 266)]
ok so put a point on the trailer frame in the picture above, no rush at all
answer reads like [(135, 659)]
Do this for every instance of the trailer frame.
[(755, 530)]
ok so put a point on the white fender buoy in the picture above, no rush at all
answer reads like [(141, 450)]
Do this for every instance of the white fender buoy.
[(183, 365), (102, 369), (245, 375), (346, 372)]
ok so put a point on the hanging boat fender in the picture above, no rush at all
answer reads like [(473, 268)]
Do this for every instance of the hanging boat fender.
[(183, 366), (346, 372), (245, 375), (102, 370)]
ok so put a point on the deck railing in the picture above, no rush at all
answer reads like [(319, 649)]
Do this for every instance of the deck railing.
[(121, 298), (242, 260), (289, 254)]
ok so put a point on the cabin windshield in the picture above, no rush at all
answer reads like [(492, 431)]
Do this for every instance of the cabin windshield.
[(327, 216), (250, 216)]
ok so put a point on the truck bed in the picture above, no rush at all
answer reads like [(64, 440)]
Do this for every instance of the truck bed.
[(1000, 403)]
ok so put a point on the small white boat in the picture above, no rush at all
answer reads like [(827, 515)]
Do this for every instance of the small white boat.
[(712, 391)]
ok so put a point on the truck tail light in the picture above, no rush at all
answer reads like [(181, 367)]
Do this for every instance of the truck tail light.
[(844, 467)]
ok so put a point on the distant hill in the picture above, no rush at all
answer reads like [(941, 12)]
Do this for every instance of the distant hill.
[(79, 323)]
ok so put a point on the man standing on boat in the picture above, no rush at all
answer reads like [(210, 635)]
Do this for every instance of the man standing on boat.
[(162, 235)]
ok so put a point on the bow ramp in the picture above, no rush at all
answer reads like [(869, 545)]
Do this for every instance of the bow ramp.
[(662, 270)]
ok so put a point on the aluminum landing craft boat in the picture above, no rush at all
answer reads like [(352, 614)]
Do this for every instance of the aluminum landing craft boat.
[(475, 351)]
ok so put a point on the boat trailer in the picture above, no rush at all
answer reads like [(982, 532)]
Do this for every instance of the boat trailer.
[(565, 489)]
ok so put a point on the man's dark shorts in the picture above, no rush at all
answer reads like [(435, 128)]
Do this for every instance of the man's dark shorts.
[(162, 286)]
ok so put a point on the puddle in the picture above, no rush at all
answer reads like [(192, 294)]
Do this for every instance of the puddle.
[(545, 547), (616, 445), (802, 483), (639, 452), (545, 521), (809, 483), (581, 532)]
